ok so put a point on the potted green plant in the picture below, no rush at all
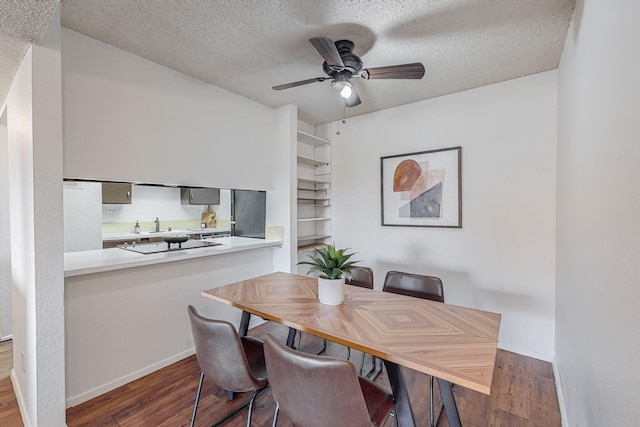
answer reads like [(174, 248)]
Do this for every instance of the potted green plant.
[(334, 267)]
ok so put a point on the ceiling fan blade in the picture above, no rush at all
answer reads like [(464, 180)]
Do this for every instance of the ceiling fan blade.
[(299, 83), (327, 49), (404, 71), (354, 99)]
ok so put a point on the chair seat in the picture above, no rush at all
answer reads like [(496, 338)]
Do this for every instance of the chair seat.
[(379, 402), (254, 351)]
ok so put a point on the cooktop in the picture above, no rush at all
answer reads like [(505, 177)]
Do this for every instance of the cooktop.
[(154, 248)]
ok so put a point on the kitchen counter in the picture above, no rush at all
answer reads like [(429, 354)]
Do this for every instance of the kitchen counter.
[(126, 312), (114, 237), (87, 262)]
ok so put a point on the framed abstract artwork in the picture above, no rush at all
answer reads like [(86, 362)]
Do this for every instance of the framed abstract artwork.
[(422, 189)]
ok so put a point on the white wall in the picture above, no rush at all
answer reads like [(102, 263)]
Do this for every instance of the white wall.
[(503, 259), (129, 119), (598, 274), (6, 321), (281, 202), (34, 124)]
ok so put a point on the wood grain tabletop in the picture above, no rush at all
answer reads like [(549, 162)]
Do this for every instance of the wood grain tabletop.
[(454, 343)]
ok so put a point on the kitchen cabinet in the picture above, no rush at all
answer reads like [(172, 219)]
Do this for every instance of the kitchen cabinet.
[(116, 193), (313, 192), (200, 196)]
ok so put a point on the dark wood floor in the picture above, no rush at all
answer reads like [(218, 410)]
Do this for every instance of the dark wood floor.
[(9, 412), (6, 359), (523, 395)]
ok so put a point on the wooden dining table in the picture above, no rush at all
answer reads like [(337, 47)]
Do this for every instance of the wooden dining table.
[(457, 345)]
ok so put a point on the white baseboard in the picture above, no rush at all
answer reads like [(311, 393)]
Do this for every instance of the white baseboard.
[(6, 338), (525, 352), (111, 385), (563, 408), (22, 405)]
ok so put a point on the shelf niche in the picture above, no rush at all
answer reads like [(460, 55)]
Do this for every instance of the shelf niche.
[(313, 191)]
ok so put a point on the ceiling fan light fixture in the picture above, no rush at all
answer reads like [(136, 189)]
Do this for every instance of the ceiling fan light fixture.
[(346, 91), (342, 84)]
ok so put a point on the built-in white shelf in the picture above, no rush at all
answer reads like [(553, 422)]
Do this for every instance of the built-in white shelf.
[(313, 181), (310, 161), (312, 237), (310, 248), (311, 139), (314, 199), (312, 219), (314, 191)]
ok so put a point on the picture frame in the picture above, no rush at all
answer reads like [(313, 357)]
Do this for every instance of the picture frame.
[(422, 189)]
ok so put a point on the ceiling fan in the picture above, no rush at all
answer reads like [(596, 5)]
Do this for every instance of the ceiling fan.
[(340, 64)]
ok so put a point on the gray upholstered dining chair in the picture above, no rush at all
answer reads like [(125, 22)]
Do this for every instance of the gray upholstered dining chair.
[(419, 286), (414, 285), (227, 360), (320, 391), (361, 277)]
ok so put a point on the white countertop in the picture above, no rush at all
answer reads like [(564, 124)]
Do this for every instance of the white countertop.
[(87, 262), (111, 237)]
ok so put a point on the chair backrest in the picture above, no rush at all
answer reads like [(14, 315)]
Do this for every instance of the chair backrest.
[(414, 285), (314, 391), (220, 353), (362, 277)]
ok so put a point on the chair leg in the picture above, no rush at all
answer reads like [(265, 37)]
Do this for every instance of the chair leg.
[(324, 347), (362, 363), (240, 408), (299, 348), (275, 415), (348, 353), (431, 418), (195, 406), (374, 371), (253, 398)]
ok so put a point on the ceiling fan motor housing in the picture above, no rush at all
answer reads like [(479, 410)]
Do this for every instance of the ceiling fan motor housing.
[(352, 63)]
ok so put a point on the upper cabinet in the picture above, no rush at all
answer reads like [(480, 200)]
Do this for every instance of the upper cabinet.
[(200, 196), (116, 193)]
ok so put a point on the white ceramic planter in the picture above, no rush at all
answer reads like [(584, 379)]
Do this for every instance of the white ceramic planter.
[(331, 291)]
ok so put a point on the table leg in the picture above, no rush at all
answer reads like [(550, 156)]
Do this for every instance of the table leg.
[(450, 407), (291, 337), (244, 323), (404, 413)]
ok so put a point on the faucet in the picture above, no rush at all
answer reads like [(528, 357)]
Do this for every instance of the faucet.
[(157, 221)]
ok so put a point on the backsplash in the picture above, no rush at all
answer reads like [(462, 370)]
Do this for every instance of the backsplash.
[(151, 202)]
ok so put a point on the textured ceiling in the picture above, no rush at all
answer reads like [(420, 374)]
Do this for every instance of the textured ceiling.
[(249, 46), (22, 22)]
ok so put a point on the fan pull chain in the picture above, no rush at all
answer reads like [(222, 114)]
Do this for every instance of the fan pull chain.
[(344, 120)]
